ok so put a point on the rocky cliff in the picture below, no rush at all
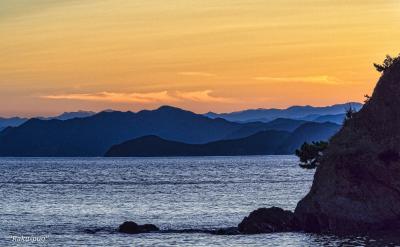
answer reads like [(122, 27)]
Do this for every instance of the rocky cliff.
[(356, 187)]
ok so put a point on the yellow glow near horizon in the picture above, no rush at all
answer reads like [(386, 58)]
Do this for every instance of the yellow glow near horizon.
[(218, 55)]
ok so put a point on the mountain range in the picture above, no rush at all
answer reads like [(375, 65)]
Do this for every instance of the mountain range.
[(308, 132), (94, 135), (70, 115), (309, 113), (16, 121), (91, 134), (334, 113), (11, 122), (262, 143)]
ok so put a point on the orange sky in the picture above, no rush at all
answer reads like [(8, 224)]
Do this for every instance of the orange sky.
[(219, 55)]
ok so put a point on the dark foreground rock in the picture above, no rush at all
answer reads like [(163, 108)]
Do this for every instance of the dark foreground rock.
[(267, 220), (133, 228), (356, 187)]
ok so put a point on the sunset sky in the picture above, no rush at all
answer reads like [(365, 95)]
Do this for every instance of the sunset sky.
[(202, 55)]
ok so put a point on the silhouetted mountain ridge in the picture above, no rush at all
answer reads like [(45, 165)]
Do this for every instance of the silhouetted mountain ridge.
[(308, 132), (293, 112), (16, 121), (262, 143), (92, 136), (335, 118), (71, 115), (11, 122), (250, 128)]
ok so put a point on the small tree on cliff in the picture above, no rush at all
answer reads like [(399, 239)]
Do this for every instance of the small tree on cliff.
[(349, 113), (386, 63), (367, 98), (310, 154)]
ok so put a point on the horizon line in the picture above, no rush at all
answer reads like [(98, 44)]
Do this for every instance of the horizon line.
[(172, 106)]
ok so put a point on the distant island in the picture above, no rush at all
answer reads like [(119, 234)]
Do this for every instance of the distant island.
[(270, 142)]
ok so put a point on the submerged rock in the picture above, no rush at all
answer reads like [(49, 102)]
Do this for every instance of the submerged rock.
[(95, 230), (227, 231), (133, 228), (356, 187), (221, 231), (267, 220)]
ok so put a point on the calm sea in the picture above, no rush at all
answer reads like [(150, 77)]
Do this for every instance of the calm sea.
[(81, 201)]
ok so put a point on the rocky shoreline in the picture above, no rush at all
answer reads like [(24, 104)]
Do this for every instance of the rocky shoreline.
[(356, 186), (262, 220)]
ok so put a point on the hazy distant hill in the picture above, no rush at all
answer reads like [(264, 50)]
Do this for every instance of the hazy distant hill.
[(308, 132), (149, 146), (71, 115), (277, 124), (93, 136), (294, 112), (14, 121), (261, 143), (337, 118)]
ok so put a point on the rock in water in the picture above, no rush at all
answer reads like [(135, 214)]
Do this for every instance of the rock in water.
[(266, 220), (356, 187), (226, 231), (133, 228)]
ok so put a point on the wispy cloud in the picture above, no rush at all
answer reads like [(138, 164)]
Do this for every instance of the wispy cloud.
[(196, 73), (144, 98), (202, 96), (320, 79), (162, 96)]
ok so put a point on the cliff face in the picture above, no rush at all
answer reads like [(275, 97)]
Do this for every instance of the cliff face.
[(356, 187)]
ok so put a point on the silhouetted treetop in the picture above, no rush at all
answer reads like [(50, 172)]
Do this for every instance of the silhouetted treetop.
[(310, 154), (350, 111), (389, 61)]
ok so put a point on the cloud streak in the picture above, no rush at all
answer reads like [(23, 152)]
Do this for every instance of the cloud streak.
[(320, 79), (162, 96), (202, 96), (144, 98), (196, 73)]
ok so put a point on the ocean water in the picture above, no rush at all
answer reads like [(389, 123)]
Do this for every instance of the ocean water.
[(81, 201)]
